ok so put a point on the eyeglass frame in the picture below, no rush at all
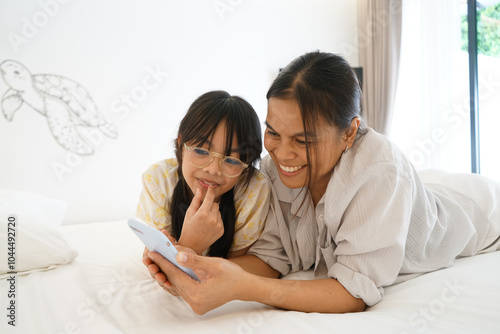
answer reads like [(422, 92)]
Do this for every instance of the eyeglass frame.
[(218, 155)]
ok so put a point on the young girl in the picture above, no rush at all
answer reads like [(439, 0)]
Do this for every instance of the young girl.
[(210, 198)]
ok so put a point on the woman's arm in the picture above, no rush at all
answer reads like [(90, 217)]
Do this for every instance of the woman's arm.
[(223, 281), (254, 265), (322, 295), (238, 253)]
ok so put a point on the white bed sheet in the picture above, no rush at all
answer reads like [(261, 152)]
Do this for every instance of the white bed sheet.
[(108, 290)]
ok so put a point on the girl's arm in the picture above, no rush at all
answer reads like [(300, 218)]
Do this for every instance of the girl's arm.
[(223, 281)]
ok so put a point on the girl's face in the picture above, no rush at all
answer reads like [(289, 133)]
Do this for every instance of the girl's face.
[(285, 141), (210, 175)]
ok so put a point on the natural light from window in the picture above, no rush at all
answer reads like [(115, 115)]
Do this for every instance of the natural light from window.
[(431, 121)]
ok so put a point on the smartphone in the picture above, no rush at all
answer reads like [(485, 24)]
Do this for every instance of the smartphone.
[(158, 242)]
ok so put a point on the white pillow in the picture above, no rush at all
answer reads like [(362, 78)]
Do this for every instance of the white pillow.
[(39, 243)]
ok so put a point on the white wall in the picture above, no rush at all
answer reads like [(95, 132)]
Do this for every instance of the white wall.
[(112, 47)]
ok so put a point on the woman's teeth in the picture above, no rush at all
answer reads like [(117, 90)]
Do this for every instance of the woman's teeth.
[(290, 169)]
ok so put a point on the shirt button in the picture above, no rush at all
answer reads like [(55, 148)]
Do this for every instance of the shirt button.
[(321, 217)]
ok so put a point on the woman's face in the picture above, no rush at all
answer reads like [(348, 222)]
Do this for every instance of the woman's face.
[(285, 141), (210, 175)]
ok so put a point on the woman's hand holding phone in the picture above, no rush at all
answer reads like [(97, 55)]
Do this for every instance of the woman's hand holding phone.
[(156, 272)]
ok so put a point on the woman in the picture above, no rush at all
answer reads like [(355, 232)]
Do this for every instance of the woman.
[(345, 202)]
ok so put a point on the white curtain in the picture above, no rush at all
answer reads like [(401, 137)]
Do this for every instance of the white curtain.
[(431, 118), (379, 34)]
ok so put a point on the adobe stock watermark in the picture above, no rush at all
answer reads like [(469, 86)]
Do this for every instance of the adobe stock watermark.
[(223, 7), (122, 107), (421, 319), (31, 26), (255, 320), (128, 101), (88, 310), (455, 117), (251, 322)]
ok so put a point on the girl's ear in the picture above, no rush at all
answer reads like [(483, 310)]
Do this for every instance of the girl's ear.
[(179, 141), (351, 132)]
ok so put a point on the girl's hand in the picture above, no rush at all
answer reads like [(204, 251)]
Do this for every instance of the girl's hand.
[(203, 222), (155, 271)]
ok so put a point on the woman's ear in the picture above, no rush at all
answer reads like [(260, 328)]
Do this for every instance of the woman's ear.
[(351, 132), (179, 141)]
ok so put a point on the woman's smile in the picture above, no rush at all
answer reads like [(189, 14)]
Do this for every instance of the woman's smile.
[(290, 170)]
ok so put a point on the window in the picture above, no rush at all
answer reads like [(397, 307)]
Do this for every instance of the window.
[(488, 83), (432, 122)]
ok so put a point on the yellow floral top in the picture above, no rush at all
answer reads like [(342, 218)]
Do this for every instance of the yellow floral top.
[(251, 203)]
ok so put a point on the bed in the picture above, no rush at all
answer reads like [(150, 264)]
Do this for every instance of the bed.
[(93, 281)]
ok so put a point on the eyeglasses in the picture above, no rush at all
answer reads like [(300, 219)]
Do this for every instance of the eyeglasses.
[(200, 157)]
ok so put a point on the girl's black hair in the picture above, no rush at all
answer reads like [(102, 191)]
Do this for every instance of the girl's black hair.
[(198, 125), (325, 88)]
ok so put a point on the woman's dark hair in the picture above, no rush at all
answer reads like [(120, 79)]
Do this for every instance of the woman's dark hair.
[(197, 127), (325, 88)]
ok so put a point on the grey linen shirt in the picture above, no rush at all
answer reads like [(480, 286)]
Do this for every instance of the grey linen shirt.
[(375, 222)]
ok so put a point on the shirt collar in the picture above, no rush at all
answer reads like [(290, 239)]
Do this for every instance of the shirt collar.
[(299, 199)]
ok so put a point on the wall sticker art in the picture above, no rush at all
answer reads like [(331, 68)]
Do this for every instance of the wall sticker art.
[(67, 105)]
